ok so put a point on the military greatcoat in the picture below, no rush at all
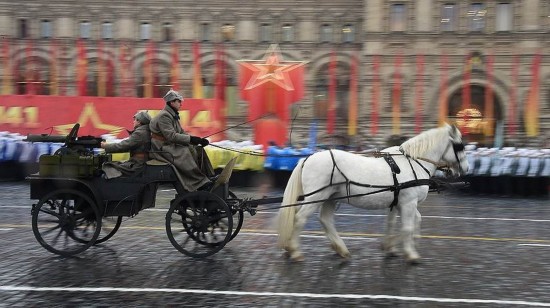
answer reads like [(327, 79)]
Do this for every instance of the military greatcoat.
[(138, 144), (170, 144)]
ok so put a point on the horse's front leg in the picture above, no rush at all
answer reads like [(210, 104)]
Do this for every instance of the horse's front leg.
[(299, 223), (327, 221), (391, 239), (409, 224)]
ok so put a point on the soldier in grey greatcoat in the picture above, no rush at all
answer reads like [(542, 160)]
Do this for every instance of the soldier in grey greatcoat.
[(138, 144), (170, 143)]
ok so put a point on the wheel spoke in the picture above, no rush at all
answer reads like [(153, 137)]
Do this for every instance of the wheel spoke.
[(76, 229)]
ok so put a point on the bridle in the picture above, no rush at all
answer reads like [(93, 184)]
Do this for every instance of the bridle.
[(457, 147)]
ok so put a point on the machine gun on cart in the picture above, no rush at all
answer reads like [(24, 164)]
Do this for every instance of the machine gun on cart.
[(73, 144)]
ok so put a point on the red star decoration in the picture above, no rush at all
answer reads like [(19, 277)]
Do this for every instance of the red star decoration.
[(271, 69)]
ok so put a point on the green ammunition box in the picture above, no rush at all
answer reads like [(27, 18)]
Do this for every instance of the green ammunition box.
[(71, 165)]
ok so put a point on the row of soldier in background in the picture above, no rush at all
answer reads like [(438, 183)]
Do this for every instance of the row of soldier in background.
[(509, 171)]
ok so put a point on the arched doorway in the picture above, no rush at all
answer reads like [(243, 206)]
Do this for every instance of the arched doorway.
[(474, 120)]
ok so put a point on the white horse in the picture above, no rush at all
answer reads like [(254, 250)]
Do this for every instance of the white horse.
[(397, 179)]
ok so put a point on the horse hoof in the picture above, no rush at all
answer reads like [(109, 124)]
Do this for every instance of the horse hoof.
[(346, 255), (299, 258), (415, 261), (391, 255)]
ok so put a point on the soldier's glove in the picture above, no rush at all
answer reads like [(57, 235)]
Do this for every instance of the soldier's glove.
[(199, 141)]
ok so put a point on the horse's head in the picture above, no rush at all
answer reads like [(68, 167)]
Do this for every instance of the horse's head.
[(454, 155)]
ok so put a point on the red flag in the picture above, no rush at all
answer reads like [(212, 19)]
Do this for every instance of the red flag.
[(197, 75), (531, 109), (54, 84), (443, 105), (127, 87), (375, 94), (29, 68), (419, 92), (489, 99), (352, 111), (81, 69), (396, 95), (466, 94), (220, 84), (101, 71), (7, 86), (331, 114), (110, 89), (512, 111), (148, 71), (175, 70), (220, 73)]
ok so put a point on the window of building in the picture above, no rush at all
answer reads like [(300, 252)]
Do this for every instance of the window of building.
[(228, 32), (504, 17), (398, 17), (23, 29), (449, 17), (107, 30), (476, 16), (145, 31), (326, 33), (265, 33), (287, 33), (167, 32), (348, 33), (45, 29), (205, 32), (85, 29)]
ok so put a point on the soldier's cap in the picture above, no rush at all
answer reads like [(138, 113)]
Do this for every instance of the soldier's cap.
[(143, 117), (172, 95)]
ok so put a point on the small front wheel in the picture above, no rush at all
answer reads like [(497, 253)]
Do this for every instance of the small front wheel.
[(199, 224), (66, 222)]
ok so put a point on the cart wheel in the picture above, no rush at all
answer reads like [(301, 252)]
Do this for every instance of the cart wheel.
[(109, 226), (199, 224), (238, 215), (66, 222)]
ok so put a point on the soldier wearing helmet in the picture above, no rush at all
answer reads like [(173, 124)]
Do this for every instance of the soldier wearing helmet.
[(170, 143), (138, 144)]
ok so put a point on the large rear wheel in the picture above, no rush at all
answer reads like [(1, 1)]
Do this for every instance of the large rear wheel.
[(66, 222), (199, 224)]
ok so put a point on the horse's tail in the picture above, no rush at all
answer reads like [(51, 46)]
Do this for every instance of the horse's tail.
[(287, 213)]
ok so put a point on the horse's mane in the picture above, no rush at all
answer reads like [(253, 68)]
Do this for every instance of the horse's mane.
[(418, 146)]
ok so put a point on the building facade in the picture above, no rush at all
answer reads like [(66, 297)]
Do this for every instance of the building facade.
[(420, 62)]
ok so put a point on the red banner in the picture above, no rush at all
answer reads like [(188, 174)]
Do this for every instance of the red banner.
[(443, 104), (466, 93), (396, 95), (38, 114), (81, 68), (419, 87), (489, 99), (331, 113), (375, 94), (512, 111)]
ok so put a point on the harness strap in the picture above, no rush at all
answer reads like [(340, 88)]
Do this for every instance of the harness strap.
[(394, 171), (396, 188)]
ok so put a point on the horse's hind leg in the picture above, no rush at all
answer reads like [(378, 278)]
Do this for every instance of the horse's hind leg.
[(327, 221), (409, 221), (391, 239), (300, 220)]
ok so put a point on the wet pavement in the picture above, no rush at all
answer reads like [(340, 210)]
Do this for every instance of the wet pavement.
[(476, 252)]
